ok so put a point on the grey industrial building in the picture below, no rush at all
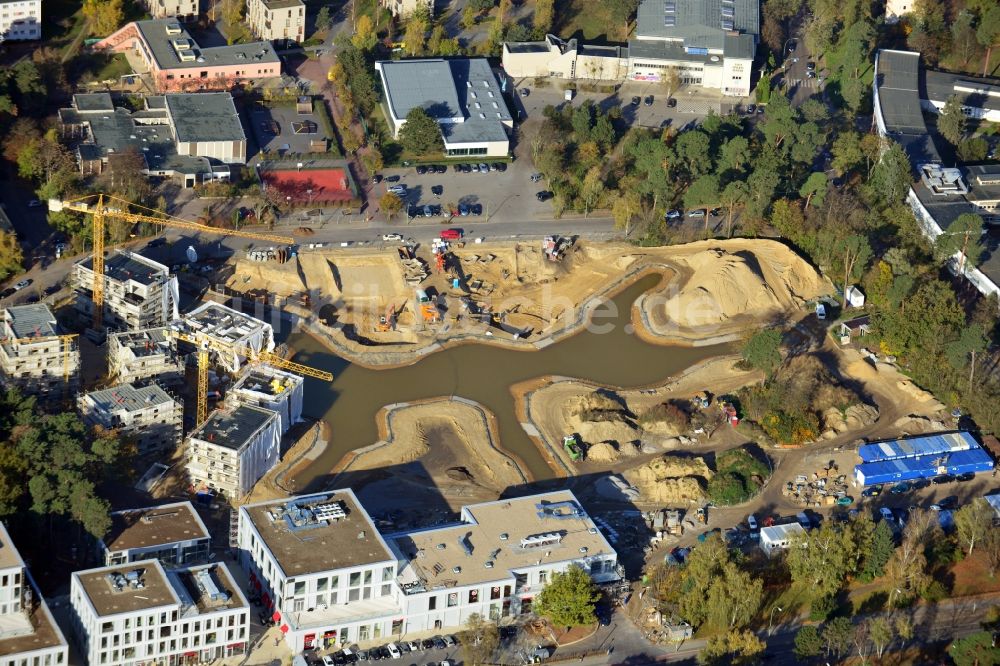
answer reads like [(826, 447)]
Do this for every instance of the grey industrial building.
[(34, 357), (461, 94), (939, 194), (148, 416), (193, 137), (138, 292)]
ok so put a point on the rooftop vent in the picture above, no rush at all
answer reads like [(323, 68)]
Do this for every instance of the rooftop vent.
[(173, 28), (540, 540), (463, 541), (583, 549), (456, 570), (489, 564), (441, 546)]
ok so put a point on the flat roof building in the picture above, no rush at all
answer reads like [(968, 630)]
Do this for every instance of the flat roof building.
[(320, 562), (147, 415), (225, 327), (979, 95), (778, 537), (20, 20), (177, 62), (35, 356), (711, 43), (138, 292), (461, 94), (564, 60), (142, 613), (193, 137), (233, 448), (277, 20), (144, 354), (184, 10), (912, 447), (173, 533), (28, 633), (270, 388)]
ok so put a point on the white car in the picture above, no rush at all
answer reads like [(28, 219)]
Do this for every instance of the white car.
[(328, 660), (394, 650), (820, 311), (21, 285), (752, 522), (674, 215), (392, 237)]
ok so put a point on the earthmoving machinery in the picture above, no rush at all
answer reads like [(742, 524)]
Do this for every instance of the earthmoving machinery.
[(428, 310), (572, 447), (387, 322), (105, 206)]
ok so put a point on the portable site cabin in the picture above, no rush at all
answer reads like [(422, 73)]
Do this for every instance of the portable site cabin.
[(855, 297)]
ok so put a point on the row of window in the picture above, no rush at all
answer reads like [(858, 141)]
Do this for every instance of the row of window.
[(38, 660), (164, 647)]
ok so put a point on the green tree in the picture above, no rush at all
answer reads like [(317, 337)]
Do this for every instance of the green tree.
[(951, 121), (480, 640), (482, 5), (973, 150), (973, 522), (324, 19), (544, 13), (761, 186), (891, 179), (591, 189), (717, 591), (11, 259), (420, 134), (569, 600), (988, 33), (964, 238), (814, 187), (808, 642), (390, 204), (854, 252), (670, 81), (963, 36), (702, 192), (732, 648), (735, 154), (364, 37), (880, 630), (626, 206), (694, 151), (763, 350), (820, 560), (975, 650), (962, 352), (879, 551), (846, 151), (622, 12), (906, 571), (732, 197), (470, 16), (837, 636), (103, 16), (416, 32)]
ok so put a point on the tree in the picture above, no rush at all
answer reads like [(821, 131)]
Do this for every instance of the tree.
[(854, 253), (973, 522), (622, 12), (702, 192), (975, 650), (763, 89), (717, 591), (103, 16), (670, 80), (964, 238), (544, 13), (324, 19), (963, 36), (815, 186), (846, 151), (821, 559), (469, 16), (390, 204), (416, 32), (763, 350), (732, 197), (881, 634), (906, 571), (11, 257), (420, 134), (480, 640), (988, 33), (808, 642), (962, 352), (879, 551), (624, 209), (891, 179), (732, 648), (591, 189), (951, 121), (837, 636), (735, 154), (569, 600), (973, 150), (364, 37)]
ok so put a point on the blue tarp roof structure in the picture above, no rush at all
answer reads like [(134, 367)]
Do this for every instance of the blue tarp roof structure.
[(903, 469), (913, 447)]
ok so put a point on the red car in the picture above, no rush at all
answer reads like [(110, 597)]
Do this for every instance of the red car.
[(451, 234)]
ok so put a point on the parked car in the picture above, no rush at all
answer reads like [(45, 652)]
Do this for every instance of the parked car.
[(760, 110), (439, 643), (950, 502), (966, 476), (501, 166), (22, 284), (437, 190), (942, 479), (901, 487), (450, 234), (457, 168), (466, 168), (9, 291), (636, 100), (463, 209), (396, 189), (535, 177), (476, 209), (413, 646), (715, 212), (392, 237), (752, 522), (697, 212), (885, 513), (544, 195), (156, 242), (392, 179), (52, 288), (483, 168), (328, 660), (450, 641), (525, 92), (811, 66), (648, 101), (376, 179), (674, 214), (872, 491), (751, 109), (671, 103), (820, 311), (421, 170), (440, 168), (427, 643), (394, 651)]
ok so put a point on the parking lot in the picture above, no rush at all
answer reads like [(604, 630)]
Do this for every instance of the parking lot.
[(499, 196)]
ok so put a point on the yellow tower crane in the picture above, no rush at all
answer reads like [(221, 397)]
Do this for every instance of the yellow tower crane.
[(205, 345), (103, 206), (67, 347)]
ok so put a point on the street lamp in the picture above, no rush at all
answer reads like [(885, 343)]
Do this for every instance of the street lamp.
[(770, 622)]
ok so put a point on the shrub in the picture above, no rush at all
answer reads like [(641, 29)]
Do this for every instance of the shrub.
[(821, 608), (808, 642), (934, 592)]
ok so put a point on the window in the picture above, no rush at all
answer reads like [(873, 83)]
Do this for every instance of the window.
[(355, 579), (432, 603), (300, 588), (386, 574), (452, 599), (321, 584), (473, 596), (495, 592), (354, 594), (386, 590), (368, 577)]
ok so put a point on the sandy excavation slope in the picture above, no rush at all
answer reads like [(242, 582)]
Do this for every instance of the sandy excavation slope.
[(731, 284)]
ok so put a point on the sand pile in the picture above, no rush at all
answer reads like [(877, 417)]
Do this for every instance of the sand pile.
[(671, 479), (916, 425), (919, 394), (319, 275), (602, 452), (836, 422), (601, 416), (282, 279), (754, 282)]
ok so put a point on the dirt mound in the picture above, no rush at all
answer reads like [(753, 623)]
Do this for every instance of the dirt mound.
[(836, 422), (725, 284), (602, 452), (916, 425), (601, 416), (281, 279), (671, 479), (919, 394)]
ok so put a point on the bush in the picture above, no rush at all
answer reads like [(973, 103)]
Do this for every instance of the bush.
[(934, 592), (821, 608), (739, 476), (808, 642)]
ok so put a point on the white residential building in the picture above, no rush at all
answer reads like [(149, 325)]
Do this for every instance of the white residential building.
[(404, 8), (173, 533), (497, 559), (270, 388), (138, 292), (29, 635), (33, 356), (233, 448), (321, 563), (140, 613), (146, 415), (185, 10), (20, 20), (277, 20), (224, 327), (778, 537), (145, 354)]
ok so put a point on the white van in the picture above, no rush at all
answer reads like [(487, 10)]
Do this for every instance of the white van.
[(820, 311), (569, 95)]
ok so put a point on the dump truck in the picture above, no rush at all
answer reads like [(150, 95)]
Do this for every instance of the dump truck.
[(572, 448), (428, 310)]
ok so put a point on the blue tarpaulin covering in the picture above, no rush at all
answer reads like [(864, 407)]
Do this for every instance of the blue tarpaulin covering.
[(922, 467), (913, 447)]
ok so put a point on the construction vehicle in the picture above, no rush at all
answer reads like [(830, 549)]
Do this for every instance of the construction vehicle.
[(572, 448), (105, 206), (387, 322), (205, 345), (428, 310)]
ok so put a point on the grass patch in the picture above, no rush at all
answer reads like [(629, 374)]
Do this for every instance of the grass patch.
[(739, 476), (587, 19), (973, 577), (326, 123)]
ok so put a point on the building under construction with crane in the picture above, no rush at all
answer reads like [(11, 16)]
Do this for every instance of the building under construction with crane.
[(145, 354), (270, 388), (148, 416), (35, 356), (138, 292)]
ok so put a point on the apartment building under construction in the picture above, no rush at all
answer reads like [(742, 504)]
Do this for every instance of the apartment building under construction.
[(145, 354), (147, 415), (34, 357), (138, 292)]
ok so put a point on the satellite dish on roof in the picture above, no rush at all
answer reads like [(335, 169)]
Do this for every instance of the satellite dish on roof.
[(192, 255)]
